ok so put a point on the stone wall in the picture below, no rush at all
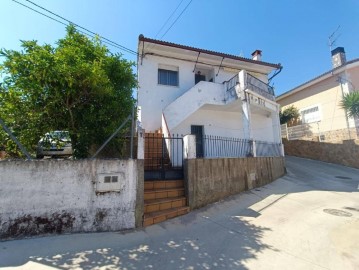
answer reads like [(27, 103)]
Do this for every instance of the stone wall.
[(211, 180), (62, 196), (339, 135), (344, 153)]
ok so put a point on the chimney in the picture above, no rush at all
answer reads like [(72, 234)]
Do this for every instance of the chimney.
[(257, 55), (338, 57)]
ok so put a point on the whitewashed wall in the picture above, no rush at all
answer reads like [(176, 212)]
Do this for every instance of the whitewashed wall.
[(262, 127), (55, 196), (153, 98), (227, 124), (218, 123)]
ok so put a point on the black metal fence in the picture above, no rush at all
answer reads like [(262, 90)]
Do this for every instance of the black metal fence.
[(163, 155), (216, 146), (221, 147)]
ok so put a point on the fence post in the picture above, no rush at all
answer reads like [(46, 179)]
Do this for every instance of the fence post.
[(189, 147), (132, 129), (140, 143), (254, 148), (282, 150), (286, 131)]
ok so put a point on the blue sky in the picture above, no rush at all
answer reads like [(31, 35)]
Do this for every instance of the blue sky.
[(291, 32)]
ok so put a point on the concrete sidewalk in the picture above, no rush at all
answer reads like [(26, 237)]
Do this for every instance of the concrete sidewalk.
[(308, 219)]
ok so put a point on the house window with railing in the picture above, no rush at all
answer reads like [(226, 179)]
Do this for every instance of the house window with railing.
[(168, 75)]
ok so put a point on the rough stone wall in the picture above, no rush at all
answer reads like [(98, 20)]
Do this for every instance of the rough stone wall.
[(344, 153), (337, 136), (211, 180), (62, 196)]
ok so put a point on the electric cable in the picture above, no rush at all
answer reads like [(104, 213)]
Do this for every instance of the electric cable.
[(104, 40), (176, 19)]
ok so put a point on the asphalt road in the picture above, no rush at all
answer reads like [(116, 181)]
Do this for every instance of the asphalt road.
[(308, 219)]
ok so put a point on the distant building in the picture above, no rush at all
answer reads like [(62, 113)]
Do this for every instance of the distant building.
[(318, 100)]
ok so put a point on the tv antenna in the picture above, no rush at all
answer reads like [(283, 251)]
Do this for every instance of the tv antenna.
[(333, 38)]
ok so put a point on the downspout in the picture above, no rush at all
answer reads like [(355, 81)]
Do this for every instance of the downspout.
[(276, 73)]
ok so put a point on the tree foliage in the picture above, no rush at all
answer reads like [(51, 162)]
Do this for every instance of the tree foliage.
[(289, 114), (350, 103), (78, 86)]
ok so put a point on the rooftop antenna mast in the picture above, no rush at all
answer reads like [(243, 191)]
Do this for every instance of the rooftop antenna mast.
[(333, 38)]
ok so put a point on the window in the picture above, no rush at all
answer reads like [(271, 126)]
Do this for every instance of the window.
[(310, 115), (168, 77)]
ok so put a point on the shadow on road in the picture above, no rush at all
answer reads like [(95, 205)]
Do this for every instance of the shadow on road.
[(217, 236)]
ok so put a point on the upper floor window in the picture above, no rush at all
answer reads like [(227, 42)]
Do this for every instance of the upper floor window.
[(310, 115), (168, 75)]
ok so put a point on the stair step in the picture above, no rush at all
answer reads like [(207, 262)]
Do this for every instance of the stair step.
[(149, 185), (164, 204), (161, 193), (159, 216)]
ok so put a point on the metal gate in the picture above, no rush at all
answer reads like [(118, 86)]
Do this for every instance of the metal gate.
[(163, 157)]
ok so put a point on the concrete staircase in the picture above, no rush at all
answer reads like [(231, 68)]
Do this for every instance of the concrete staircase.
[(163, 199)]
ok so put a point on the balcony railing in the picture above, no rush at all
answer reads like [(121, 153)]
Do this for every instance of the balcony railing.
[(260, 87), (231, 83)]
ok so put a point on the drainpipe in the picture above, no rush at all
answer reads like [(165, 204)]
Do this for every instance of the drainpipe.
[(276, 73)]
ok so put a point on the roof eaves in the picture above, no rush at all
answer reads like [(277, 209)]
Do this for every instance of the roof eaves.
[(230, 56), (316, 78)]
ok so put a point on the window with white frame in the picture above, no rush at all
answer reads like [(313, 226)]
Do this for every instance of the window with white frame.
[(310, 115), (168, 75)]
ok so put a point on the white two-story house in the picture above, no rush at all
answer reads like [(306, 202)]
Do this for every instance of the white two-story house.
[(186, 90)]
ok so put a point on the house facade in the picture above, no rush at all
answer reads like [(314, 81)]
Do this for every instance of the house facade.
[(318, 101), (186, 90)]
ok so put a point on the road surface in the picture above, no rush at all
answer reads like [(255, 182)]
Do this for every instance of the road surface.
[(308, 219)]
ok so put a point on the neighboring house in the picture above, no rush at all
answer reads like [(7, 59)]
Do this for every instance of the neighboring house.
[(318, 101), (186, 90)]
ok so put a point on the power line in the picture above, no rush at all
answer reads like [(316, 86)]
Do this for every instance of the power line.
[(177, 19), (159, 31), (51, 18), (79, 26), (104, 40)]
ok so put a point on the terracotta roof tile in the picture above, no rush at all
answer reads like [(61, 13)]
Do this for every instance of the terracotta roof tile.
[(230, 56)]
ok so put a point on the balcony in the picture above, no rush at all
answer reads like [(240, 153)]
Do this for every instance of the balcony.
[(248, 82)]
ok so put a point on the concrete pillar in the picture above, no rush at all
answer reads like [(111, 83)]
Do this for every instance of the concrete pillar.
[(246, 113), (140, 143), (246, 119), (277, 136), (242, 78), (189, 147)]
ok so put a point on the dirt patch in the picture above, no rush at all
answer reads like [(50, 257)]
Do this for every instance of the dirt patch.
[(29, 225)]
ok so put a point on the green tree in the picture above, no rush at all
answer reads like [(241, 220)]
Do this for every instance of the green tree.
[(289, 114), (350, 103), (77, 85)]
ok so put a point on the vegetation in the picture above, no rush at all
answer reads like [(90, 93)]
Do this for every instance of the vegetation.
[(77, 86), (350, 103), (289, 114)]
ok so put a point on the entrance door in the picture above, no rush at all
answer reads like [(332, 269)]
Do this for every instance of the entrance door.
[(198, 131), (198, 77)]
